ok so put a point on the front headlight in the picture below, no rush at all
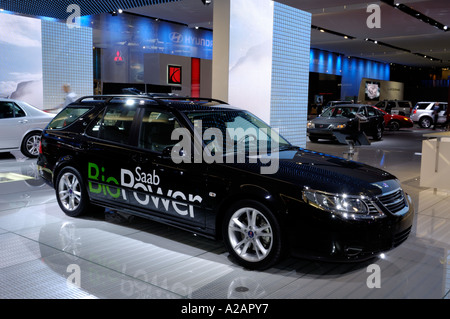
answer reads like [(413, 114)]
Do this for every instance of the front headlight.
[(349, 207), (310, 125), (340, 127)]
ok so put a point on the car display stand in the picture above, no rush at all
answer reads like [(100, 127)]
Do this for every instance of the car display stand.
[(435, 168)]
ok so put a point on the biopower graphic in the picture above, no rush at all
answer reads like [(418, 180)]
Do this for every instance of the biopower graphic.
[(143, 188)]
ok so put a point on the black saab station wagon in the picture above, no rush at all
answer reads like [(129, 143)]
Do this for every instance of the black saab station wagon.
[(218, 171)]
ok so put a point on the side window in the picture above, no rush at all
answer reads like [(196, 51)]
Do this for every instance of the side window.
[(156, 130), (114, 124), (67, 117), (6, 110), (18, 112), (371, 111), (362, 111)]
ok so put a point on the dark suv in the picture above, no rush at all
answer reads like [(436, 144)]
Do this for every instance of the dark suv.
[(219, 171)]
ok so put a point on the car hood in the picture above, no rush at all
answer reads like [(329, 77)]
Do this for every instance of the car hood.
[(306, 168)]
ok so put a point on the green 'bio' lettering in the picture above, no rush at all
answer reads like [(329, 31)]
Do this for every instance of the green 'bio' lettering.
[(93, 174)]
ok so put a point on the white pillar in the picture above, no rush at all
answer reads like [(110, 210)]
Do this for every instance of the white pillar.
[(249, 54), (261, 62)]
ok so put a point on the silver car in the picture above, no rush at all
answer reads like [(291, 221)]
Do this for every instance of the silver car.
[(21, 126), (423, 113)]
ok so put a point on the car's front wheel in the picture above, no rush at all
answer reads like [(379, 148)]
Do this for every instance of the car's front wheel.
[(252, 235), (378, 134), (71, 192), (394, 125), (30, 144)]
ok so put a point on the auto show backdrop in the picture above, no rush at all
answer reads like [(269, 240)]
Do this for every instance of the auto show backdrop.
[(137, 50), (373, 90), (351, 69), (21, 59), (39, 56)]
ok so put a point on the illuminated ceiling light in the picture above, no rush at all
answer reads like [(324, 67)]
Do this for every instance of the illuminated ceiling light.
[(120, 11), (206, 2), (322, 30)]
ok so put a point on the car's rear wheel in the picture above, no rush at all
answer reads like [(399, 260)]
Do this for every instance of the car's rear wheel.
[(425, 122), (252, 235), (30, 144), (71, 192)]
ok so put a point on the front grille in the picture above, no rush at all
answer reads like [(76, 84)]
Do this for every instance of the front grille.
[(395, 202)]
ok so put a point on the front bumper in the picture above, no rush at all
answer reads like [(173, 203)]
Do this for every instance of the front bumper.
[(316, 234)]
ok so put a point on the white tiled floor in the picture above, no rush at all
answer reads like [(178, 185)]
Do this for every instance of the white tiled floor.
[(42, 250)]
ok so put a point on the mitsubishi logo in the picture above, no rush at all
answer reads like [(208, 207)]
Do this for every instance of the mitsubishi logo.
[(176, 37)]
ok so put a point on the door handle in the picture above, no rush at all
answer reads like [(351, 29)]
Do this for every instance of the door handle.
[(23, 121)]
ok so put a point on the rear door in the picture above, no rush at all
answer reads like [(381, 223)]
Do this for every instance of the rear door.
[(442, 112), (13, 125), (374, 120), (107, 149)]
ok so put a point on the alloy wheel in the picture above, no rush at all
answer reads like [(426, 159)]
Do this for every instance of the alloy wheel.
[(69, 191), (250, 234), (32, 145)]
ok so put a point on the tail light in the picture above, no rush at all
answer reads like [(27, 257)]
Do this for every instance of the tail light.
[(415, 111), (40, 147)]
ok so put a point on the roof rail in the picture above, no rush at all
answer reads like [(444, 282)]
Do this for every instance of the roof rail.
[(158, 99), (193, 99), (109, 98)]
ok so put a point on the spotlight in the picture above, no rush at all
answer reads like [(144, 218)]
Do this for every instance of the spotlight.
[(206, 2)]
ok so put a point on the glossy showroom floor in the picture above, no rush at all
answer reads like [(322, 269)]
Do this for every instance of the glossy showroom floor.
[(44, 254)]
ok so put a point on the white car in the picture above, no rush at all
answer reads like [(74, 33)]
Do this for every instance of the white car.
[(21, 126), (423, 113)]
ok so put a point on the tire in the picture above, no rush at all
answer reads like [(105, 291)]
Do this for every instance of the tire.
[(425, 122), (313, 139), (252, 235), (71, 192), (394, 125), (30, 144), (378, 134)]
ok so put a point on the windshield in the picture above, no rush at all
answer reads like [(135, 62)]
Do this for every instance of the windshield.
[(230, 131), (337, 111)]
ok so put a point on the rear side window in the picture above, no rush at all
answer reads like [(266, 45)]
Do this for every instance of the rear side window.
[(10, 110), (67, 117), (422, 106), (404, 104), (114, 124)]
